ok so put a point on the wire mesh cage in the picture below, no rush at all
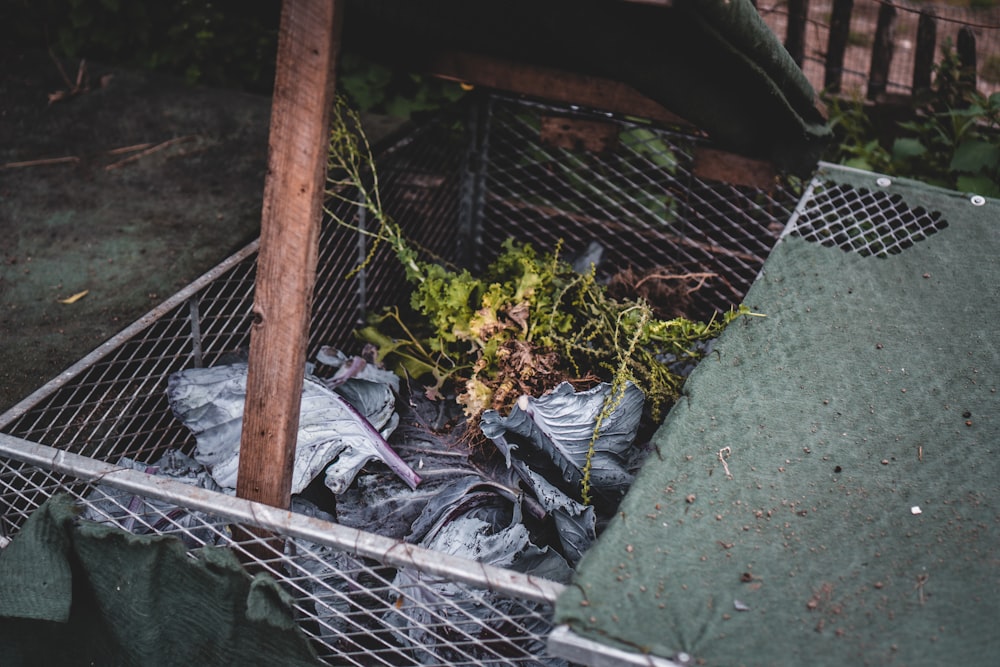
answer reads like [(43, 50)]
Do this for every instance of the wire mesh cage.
[(458, 184), (872, 221)]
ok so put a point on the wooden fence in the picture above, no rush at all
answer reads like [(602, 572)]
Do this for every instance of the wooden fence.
[(885, 48)]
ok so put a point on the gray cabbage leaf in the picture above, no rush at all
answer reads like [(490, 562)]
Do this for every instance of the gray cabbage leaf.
[(354, 367), (143, 515), (380, 498), (486, 528), (555, 431), (336, 434), (466, 497), (338, 582), (575, 523)]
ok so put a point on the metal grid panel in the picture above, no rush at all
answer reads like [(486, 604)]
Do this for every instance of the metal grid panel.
[(117, 405), (641, 201), (361, 599), (458, 194), (855, 219), (855, 211), (419, 178)]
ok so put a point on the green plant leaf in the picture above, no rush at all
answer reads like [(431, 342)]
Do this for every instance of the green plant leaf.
[(911, 125), (906, 148), (980, 185), (972, 111), (974, 156), (646, 142), (858, 163)]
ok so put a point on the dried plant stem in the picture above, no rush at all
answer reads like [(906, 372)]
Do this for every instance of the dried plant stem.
[(149, 151), (700, 277), (615, 394), (42, 162), (723, 455)]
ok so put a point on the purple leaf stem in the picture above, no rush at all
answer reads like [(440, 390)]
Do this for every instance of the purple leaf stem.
[(385, 452)]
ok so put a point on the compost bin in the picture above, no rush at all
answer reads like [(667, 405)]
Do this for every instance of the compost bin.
[(459, 189)]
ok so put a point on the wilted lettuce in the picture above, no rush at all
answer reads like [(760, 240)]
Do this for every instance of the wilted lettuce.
[(333, 435)]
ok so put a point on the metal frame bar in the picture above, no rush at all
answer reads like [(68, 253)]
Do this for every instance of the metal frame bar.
[(342, 538), (430, 186), (564, 643), (129, 332)]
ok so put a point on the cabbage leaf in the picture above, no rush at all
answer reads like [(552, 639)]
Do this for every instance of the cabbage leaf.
[(553, 433), (334, 434)]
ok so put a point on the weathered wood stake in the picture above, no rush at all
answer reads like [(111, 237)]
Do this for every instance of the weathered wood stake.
[(836, 46), (882, 50), (966, 48), (308, 43), (795, 35), (923, 58)]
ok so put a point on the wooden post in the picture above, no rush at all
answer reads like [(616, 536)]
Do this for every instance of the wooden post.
[(795, 35), (308, 43), (966, 48), (923, 58), (836, 46), (878, 75)]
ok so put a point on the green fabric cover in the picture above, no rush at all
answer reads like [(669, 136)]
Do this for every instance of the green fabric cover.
[(870, 388), (712, 62), (80, 593)]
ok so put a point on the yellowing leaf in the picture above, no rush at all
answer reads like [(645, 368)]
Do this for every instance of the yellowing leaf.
[(76, 297)]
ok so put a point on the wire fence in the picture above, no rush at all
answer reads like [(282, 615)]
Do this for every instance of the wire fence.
[(983, 24)]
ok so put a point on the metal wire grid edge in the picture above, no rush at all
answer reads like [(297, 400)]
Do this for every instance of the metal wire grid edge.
[(238, 510), (826, 172), (879, 237), (388, 146), (129, 332), (732, 219), (566, 644), (355, 542), (792, 226)]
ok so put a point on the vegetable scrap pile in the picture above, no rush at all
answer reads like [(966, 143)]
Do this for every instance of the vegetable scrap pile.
[(496, 418)]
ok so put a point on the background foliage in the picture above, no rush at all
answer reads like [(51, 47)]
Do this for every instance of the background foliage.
[(949, 138), (225, 43), (219, 42)]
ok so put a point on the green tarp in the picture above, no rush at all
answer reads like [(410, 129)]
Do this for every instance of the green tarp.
[(859, 422), (80, 593)]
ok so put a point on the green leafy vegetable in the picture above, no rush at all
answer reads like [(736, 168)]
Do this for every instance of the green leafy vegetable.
[(526, 324)]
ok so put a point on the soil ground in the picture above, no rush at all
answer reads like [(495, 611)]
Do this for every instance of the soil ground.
[(127, 191), (128, 228)]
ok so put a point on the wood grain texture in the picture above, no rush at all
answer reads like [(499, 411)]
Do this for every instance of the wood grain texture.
[(715, 165), (545, 83), (308, 43), (882, 51)]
